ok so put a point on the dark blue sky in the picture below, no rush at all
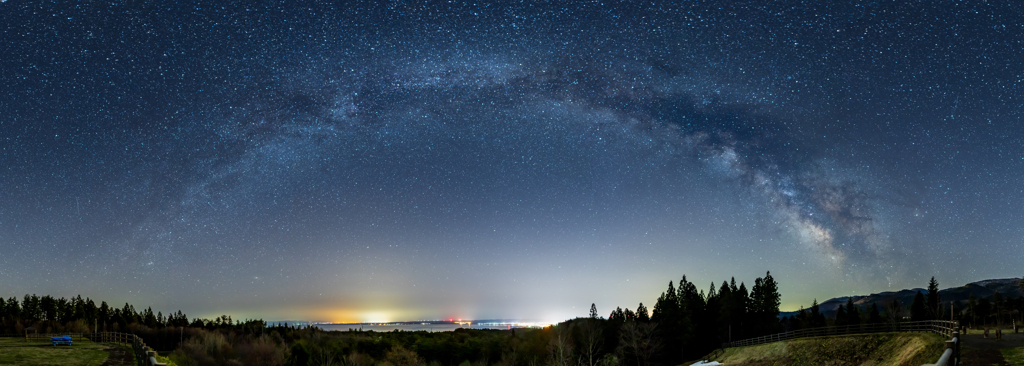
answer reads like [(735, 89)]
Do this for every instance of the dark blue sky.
[(356, 161)]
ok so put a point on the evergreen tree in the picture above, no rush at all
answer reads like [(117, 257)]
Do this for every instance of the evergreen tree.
[(764, 305), (874, 317), (743, 311), (630, 315), (918, 308), (79, 308), (933, 299), (104, 314), (841, 316), (63, 310), (817, 319), (672, 327), (641, 313), (128, 315), (852, 313), (593, 311), (617, 315), (48, 308), (727, 307), (799, 320), (91, 312), (666, 307)]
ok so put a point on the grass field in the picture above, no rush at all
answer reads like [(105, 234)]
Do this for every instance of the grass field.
[(870, 349), (1015, 356), (15, 351)]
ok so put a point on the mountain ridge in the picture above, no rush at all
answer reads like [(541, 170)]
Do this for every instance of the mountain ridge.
[(958, 295)]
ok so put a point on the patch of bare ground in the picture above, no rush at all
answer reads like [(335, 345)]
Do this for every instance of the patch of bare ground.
[(980, 351), (118, 356)]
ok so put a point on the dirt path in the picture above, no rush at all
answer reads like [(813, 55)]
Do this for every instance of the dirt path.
[(118, 356), (980, 351)]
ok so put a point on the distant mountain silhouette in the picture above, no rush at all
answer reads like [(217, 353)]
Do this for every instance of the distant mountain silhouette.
[(1006, 286)]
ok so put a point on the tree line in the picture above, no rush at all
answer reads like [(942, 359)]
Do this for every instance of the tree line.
[(685, 323)]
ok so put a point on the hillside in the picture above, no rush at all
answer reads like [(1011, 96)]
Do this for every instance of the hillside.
[(868, 349), (986, 288)]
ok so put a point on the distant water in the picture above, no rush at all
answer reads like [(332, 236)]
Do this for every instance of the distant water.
[(412, 327)]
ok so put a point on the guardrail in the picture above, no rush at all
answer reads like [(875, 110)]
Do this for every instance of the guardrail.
[(951, 356), (143, 355)]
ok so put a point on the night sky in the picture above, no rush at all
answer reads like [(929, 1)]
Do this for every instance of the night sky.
[(425, 160)]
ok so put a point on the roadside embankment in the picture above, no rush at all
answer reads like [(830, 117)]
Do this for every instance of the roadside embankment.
[(867, 349)]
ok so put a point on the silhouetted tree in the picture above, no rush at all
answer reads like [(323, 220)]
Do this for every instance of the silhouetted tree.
[(893, 312), (673, 325), (590, 340), (874, 317), (816, 318), (933, 299), (918, 308), (984, 310), (642, 314), (852, 313), (841, 316), (799, 320), (617, 315), (593, 311)]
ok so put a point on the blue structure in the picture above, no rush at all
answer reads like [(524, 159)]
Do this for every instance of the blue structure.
[(61, 340)]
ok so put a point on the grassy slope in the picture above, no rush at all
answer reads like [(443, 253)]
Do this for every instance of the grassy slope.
[(872, 349), (15, 351)]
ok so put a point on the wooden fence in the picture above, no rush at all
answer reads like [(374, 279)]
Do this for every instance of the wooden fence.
[(143, 355), (951, 356)]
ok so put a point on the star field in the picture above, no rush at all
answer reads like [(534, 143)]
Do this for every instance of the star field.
[(424, 160)]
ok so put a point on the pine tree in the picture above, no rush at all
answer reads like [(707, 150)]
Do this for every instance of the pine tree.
[(593, 311), (13, 309), (641, 313), (918, 308), (874, 317), (841, 316), (933, 299), (852, 313), (817, 319)]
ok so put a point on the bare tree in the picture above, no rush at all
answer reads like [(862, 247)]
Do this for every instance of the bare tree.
[(892, 312), (590, 331), (322, 356), (561, 345), (637, 338)]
